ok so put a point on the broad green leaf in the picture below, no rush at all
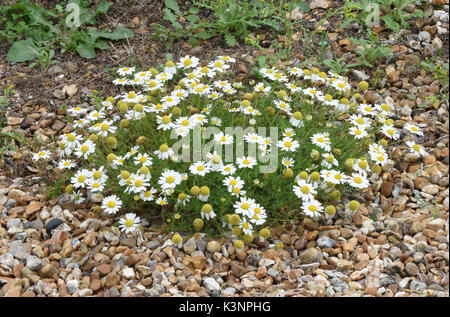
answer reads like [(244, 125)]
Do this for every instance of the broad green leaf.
[(85, 50), (173, 5), (303, 5), (103, 7), (22, 51)]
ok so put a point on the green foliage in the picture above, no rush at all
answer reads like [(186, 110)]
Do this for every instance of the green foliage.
[(235, 19), (371, 52), (364, 11), (232, 20), (33, 29), (3, 101), (337, 66)]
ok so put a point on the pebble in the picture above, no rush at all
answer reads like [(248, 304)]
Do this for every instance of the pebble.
[(325, 242), (213, 246), (33, 262)]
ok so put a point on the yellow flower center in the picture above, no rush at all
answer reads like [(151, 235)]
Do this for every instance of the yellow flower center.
[(165, 120), (305, 189), (129, 223), (170, 179), (84, 148), (81, 178), (287, 144), (111, 204), (245, 206), (357, 180), (312, 208)]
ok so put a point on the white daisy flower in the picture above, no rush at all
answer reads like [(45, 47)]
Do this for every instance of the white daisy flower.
[(322, 140), (42, 155), (416, 148), (148, 195), (288, 144), (413, 129), (312, 208), (79, 180), (223, 139), (129, 223), (84, 149), (124, 71), (66, 164), (169, 179), (188, 62), (246, 162), (305, 190), (228, 169), (358, 181), (111, 204), (199, 168)]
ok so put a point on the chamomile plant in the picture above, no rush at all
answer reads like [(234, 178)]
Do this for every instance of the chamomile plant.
[(319, 142)]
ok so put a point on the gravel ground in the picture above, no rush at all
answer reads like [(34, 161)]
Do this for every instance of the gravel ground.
[(395, 245)]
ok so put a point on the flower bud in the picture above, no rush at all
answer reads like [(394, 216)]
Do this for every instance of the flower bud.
[(176, 238), (236, 231), (288, 173), (238, 244), (124, 123), (69, 189), (198, 224), (353, 205), (141, 140), (195, 190), (248, 238), (336, 195), (330, 210), (93, 137), (315, 176), (110, 158), (176, 111), (265, 233), (234, 219), (363, 85), (111, 142)]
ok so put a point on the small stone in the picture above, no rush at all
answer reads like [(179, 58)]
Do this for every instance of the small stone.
[(85, 292), (7, 259), (132, 259), (213, 246), (343, 265), (33, 262), (48, 270), (211, 284), (424, 36), (128, 273), (19, 250), (311, 255), (104, 268), (325, 242), (95, 285), (128, 242), (411, 269), (386, 188), (72, 286), (430, 189), (52, 224), (396, 267)]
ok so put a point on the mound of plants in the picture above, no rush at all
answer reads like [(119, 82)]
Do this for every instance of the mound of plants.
[(208, 153)]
